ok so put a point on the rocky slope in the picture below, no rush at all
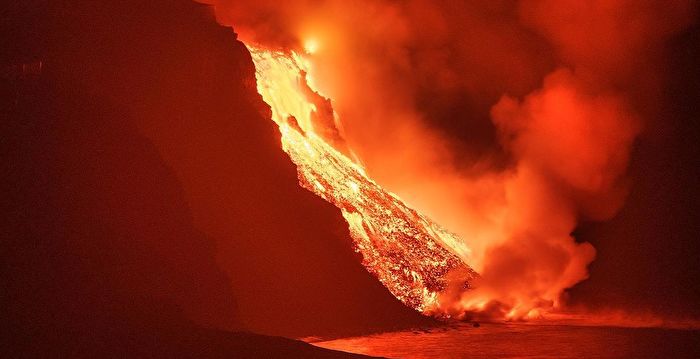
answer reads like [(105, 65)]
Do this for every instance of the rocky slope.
[(144, 190)]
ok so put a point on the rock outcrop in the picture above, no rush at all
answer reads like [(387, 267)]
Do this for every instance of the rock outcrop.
[(144, 189)]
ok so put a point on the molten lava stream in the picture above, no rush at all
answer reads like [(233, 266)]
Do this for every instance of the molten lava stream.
[(414, 257)]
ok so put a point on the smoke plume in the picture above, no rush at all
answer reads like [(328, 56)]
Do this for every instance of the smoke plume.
[(506, 122)]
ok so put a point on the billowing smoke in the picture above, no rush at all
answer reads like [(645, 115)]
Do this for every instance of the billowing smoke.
[(507, 122)]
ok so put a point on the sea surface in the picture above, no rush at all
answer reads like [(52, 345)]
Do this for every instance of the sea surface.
[(525, 341)]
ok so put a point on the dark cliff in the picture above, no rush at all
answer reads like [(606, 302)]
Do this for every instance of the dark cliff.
[(145, 191)]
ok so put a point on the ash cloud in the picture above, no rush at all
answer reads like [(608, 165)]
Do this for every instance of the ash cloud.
[(507, 122)]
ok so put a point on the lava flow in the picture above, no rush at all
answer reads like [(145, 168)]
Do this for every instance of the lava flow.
[(414, 257)]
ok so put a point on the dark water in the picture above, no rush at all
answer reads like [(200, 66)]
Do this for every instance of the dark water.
[(526, 341)]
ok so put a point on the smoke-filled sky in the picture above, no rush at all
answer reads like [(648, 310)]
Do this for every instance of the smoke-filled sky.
[(509, 122)]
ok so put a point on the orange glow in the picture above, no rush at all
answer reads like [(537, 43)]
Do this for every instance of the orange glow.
[(508, 130), (311, 46), (414, 257), (425, 266)]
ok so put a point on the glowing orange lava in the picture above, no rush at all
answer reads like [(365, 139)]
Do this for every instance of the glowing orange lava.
[(414, 257)]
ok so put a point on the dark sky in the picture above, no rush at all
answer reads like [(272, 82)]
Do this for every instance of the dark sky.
[(648, 254)]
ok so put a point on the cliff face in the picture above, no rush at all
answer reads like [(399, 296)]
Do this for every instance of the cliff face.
[(146, 186)]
